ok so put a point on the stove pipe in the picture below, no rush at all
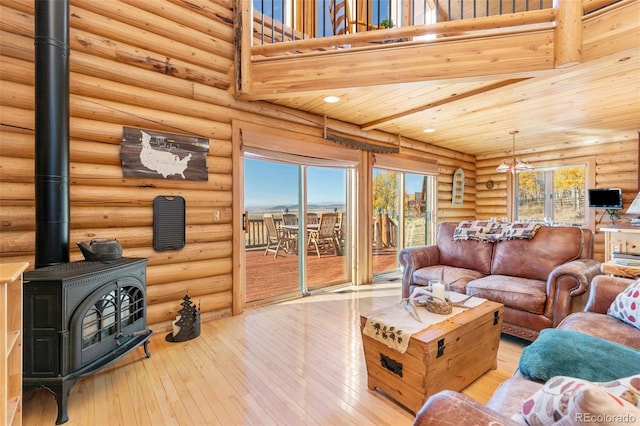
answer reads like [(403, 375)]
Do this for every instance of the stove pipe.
[(51, 132)]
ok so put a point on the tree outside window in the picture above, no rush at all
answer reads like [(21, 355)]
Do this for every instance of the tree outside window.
[(557, 194)]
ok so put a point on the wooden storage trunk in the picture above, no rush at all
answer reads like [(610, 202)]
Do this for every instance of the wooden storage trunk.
[(447, 355)]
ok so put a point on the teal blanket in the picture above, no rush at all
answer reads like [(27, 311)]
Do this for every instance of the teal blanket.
[(570, 353)]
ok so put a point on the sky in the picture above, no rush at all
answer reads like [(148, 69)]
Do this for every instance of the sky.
[(268, 184)]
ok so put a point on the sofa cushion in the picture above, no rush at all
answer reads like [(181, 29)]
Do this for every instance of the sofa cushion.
[(603, 326), (471, 254), (536, 258), (562, 396), (570, 353), (518, 293), (626, 306), (458, 277)]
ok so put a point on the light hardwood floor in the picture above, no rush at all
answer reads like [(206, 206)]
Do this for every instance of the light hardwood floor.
[(298, 362)]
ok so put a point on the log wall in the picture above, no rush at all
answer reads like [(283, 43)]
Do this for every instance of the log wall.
[(163, 65)]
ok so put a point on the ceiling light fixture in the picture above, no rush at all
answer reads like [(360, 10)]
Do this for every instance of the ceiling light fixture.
[(514, 164), (332, 99), (429, 130)]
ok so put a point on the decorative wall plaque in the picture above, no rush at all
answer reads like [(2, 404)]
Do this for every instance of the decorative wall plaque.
[(151, 154)]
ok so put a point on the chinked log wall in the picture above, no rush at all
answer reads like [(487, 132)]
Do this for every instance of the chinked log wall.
[(160, 65)]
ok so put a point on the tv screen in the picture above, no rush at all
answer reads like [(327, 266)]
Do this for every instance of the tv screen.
[(606, 198)]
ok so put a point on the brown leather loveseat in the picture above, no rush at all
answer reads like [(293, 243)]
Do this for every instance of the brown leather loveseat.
[(538, 280)]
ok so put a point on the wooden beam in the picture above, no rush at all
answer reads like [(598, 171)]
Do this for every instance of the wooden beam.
[(568, 33), (243, 25), (456, 97)]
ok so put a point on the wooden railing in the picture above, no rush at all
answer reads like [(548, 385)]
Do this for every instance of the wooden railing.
[(385, 232), (325, 18), (256, 235)]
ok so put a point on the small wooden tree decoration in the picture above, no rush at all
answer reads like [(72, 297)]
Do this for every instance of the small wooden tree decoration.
[(187, 323)]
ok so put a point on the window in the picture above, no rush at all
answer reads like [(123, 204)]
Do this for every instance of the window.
[(555, 193)]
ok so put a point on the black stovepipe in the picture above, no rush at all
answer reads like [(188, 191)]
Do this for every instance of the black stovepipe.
[(51, 132)]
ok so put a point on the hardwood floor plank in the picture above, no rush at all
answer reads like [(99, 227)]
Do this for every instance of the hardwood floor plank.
[(298, 362)]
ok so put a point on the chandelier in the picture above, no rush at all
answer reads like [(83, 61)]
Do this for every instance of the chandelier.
[(514, 164)]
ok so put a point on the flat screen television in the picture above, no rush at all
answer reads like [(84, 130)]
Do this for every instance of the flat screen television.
[(605, 198)]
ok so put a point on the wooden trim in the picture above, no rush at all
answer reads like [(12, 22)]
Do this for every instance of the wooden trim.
[(238, 258), (278, 140), (405, 163)]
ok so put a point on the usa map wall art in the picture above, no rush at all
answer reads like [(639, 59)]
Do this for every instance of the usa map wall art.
[(159, 155)]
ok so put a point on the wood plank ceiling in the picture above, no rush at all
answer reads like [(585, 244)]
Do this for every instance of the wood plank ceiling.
[(589, 103)]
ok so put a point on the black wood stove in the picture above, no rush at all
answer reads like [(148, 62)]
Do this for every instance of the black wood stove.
[(79, 317)]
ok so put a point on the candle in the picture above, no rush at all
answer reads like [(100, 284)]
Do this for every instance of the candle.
[(438, 290), (176, 328)]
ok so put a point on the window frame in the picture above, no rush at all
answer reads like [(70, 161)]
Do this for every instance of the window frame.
[(589, 163)]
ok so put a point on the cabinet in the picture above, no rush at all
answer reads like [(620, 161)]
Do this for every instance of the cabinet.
[(11, 342)]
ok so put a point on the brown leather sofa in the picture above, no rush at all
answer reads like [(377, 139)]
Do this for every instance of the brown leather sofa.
[(452, 408), (538, 280)]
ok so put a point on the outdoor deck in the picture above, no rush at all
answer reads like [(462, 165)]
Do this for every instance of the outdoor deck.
[(267, 276)]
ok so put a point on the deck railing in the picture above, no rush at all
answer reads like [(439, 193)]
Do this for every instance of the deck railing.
[(385, 232)]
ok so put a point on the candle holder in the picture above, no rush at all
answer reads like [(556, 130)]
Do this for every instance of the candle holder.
[(187, 323)]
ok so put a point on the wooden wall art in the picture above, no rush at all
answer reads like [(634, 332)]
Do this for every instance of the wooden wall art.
[(457, 193), (151, 154)]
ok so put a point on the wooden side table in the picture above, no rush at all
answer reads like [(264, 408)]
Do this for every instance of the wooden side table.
[(612, 268), (623, 238)]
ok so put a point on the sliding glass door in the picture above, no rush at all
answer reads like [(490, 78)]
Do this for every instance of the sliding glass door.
[(327, 252), (271, 190), (298, 228), (402, 208)]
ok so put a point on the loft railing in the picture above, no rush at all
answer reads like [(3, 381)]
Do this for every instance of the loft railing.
[(324, 18), (260, 57), (276, 21)]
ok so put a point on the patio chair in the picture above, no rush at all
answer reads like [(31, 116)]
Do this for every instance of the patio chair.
[(340, 237), (289, 219), (325, 234), (273, 235), (312, 218), (290, 235)]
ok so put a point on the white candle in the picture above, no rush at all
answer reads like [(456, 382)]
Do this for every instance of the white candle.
[(176, 328), (438, 290)]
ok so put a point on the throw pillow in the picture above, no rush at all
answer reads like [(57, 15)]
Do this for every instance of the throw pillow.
[(558, 352), (595, 406), (570, 399), (626, 306)]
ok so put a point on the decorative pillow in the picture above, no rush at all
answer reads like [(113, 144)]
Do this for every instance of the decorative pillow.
[(482, 230), (626, 306), (520, 231), (558, 352), (571, 401), (594, 406)]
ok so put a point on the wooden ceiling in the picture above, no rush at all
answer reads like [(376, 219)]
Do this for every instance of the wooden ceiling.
[(586, 104), (473, 108)]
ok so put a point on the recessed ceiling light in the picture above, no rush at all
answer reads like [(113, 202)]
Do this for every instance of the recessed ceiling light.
[(331, 99), (429, 130)]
